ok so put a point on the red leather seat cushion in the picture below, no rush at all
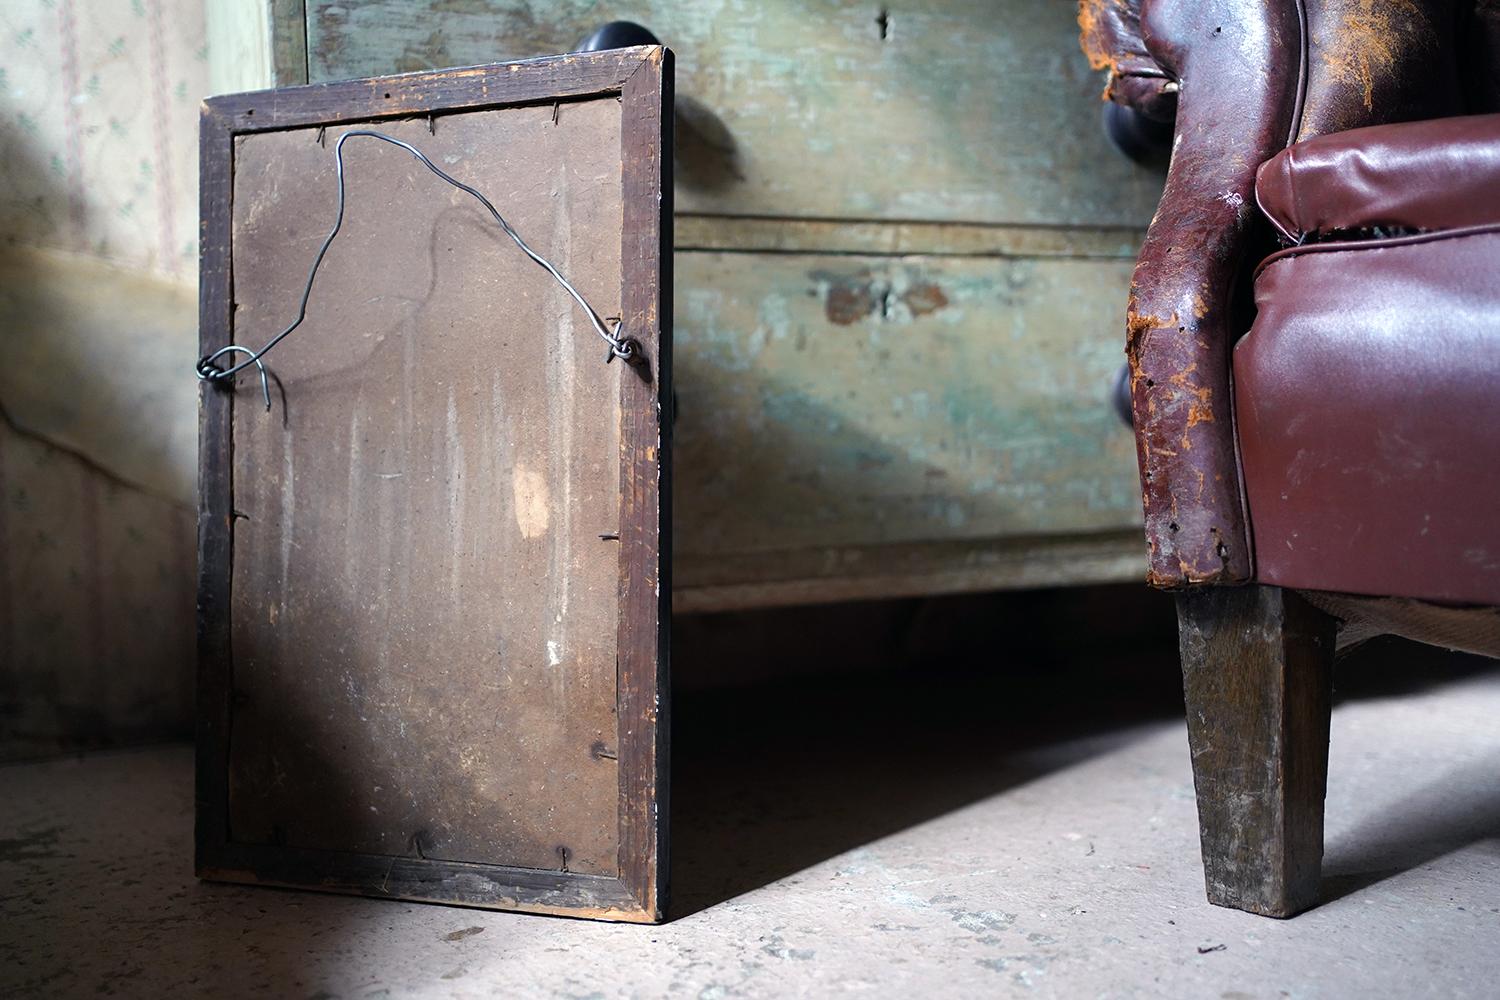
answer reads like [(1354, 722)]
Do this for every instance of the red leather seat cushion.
[(1437, 174), (1367, 400)]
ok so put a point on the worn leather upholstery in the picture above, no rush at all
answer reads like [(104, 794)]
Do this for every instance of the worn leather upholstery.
[(1237, 106), (1252, 77), (1373, 61), (1367, 397), (1437, 174), (1368, 389), (1110, 33)]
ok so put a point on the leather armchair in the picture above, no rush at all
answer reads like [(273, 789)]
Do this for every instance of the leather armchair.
[(1314, 343)]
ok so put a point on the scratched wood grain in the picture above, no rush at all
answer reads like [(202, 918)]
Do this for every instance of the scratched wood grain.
[(975, 111), (421, 593)]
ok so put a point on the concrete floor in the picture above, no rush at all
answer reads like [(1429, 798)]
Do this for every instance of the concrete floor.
[(1033, 835)]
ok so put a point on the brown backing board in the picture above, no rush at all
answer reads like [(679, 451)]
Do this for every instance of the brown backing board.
[(423, 673)]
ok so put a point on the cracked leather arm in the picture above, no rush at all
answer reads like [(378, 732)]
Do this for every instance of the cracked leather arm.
[(1239, 69)]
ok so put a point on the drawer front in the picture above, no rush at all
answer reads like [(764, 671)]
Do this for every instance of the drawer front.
[(835, 411), (842, 400)]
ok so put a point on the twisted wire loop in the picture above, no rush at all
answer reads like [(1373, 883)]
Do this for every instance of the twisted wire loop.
[(208, 368)]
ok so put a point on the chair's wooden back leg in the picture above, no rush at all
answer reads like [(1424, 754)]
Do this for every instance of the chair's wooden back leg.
[(1257, 666)]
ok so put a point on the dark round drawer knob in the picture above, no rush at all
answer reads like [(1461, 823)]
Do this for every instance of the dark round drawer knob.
[(617, 35), (1143, 140), (1121, 397)]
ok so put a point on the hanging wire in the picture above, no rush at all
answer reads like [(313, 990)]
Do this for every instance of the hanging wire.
[(208, 369)]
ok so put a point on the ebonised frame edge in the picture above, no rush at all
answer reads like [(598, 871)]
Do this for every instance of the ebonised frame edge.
[(642, 78)]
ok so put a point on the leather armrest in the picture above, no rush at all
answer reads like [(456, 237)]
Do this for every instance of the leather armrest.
[(1440, 174), (1239, 65)]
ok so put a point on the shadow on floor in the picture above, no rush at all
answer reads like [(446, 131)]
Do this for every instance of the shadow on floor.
[(1461, 807), (1456, 808), (927, 706), (1389, 667), (920, 708)]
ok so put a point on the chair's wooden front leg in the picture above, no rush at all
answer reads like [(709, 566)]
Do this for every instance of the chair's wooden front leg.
[(1257, 667)]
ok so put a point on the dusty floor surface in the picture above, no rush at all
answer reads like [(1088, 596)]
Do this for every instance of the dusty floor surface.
[(942, 837)]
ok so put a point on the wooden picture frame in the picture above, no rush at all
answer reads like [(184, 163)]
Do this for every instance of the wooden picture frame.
[(641, 80)]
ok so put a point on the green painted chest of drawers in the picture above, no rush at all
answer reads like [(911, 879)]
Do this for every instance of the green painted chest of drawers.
[(902, 253)]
